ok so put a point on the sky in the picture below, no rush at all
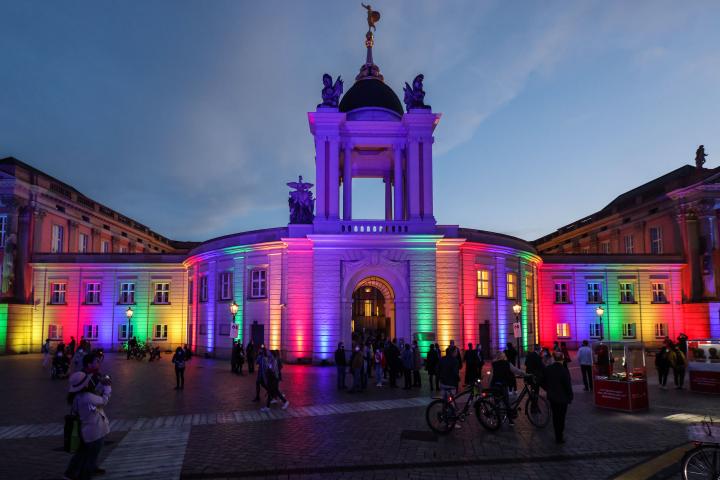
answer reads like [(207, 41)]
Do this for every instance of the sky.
[(191, 116)]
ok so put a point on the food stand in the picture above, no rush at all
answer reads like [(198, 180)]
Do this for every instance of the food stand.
[(704, 365), (619, 376)]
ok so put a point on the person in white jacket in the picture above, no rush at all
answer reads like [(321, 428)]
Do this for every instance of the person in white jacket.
[(94, 424)]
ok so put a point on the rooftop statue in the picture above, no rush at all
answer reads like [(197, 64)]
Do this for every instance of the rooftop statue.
[(700, 156), (415, 95), (373, 16), (331, 93), (301, 202)]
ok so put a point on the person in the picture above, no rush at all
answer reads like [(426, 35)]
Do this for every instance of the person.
[(154, 352), (534, 364), (234, 357), (131, 347), (261, 363), (662, 365), (584, 357), (179, 361), (566, 354), (94, 424), (431, 365), (341, 366), (364, 368), (378, 357), (556, 346), (603, 360), (503, 376), (271, 373), (682, 343), (417, 365), (471, 365), (392, 354), (241, 358), (677, 362), (356, 363), (71, 346), (558, 386), (511, 353), (188, 353), (77, 358), (91, 366), (45, 349), (250, 353), (449, 371), (407, 364)]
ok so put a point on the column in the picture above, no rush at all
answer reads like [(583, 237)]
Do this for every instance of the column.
[(427, 186), (94, 240), (388, 198), (347, 183), (413, 180), (399, 180), (334, 181), (23, 275), (320, 178)]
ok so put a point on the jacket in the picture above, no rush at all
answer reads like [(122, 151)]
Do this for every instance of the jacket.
[(431, 362), (534, 364), (503, 373), (417, 359), (449, 371), (584, 355), (357, 360), (556, 382), (340, 359), (407, 359), (94, 424)]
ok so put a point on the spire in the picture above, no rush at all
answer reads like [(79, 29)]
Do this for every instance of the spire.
[(370, 70)]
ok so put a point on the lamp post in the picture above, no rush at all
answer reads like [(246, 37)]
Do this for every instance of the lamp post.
[(129, 314), (234, 309), (517, 308), (599, 311)]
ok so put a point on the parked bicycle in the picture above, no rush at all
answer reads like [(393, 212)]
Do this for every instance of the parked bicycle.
[(703, 461), (443, 413), (491, 411)]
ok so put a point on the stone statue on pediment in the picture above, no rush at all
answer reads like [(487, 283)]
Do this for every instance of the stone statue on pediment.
[(415, 95), (301, 202), (700, 156), (331, 93)]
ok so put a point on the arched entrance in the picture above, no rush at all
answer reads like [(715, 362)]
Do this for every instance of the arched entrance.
[(373, 310)]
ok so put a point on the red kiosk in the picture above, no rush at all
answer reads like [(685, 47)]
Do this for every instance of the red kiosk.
[(619, 376), (704, 365)]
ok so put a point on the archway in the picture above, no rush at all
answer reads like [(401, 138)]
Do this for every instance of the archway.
[(373, 310)]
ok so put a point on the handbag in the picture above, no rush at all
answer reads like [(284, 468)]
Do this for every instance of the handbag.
[(71, 432)]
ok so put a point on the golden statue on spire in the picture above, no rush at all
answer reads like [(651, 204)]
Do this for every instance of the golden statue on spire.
[(373, 16)]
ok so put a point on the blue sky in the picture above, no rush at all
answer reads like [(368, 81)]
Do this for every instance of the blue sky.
[(191, 116)]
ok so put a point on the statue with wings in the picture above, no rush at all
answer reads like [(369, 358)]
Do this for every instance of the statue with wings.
[(331, 93), (301, 202)]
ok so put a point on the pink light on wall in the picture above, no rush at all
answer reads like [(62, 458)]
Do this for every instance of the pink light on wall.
[(299, 298)]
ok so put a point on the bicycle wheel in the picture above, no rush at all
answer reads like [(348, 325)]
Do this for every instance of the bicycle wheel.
[(702, 463), (440, 416), (538, 411), (488, 414)]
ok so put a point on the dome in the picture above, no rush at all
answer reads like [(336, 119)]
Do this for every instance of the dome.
[(370, 92)]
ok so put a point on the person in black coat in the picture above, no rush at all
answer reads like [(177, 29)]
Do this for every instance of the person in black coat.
[(341, 366), (471, 365), (431, 365), (556, 381)]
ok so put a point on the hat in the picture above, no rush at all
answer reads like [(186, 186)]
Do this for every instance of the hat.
[(78, 381)]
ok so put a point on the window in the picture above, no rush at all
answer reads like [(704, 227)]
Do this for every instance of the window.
[(628, 330), (511, 285), (92, 293), (594, 292), (190, 291), (627, 292), (605, 246), (585, 250), (595, 330), (160, 332), (55, 332), (224, 329), (226, 290), (57, 293), (661, 330), (162, 293), (127, 293), (658, 292), (562, 294), (203, 293), (529, 287), (123, 333), (258, 283), (629, 244), (563, 330), (3, 229), (90, 332), (105, 246), (82, 243), (656, 244), (123, 250), (58, 234), (484, 283)]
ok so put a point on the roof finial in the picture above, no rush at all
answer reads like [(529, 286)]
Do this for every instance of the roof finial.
[(370, 70)]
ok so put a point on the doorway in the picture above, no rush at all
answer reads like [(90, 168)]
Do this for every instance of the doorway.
[(373, 310)]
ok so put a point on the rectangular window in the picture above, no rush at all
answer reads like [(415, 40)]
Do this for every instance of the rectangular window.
[(190, 291), (529, 287), (594, 292), (511, 286), (658, 292), (160, 332), (627, 292), (91, 332), (484, 283), (57, 293), (656, 243), (58, 234), (123, 250), (585, 250), (562, 292), (55, 332), (123, 331), (661, 330), (226, 291), (127, 293), (629, 244), (162, 293), (224, 329), (605, 247), (105, 246), (563, 330), (92, 293), (258, 283), (595, 330), (203, 293), (3, 229), (628, 330), (82, 243)]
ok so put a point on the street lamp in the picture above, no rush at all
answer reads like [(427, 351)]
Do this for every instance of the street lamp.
[(234, 309), (129, 314), (517, 308), (599, 312)]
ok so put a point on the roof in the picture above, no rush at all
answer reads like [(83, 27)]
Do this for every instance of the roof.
[(370, 92)]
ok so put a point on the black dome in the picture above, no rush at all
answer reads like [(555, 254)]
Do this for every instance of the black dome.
[(370, 92)]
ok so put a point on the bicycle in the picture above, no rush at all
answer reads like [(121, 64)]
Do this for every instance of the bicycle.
[(491, 411), (703, 461), (443, 413)]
